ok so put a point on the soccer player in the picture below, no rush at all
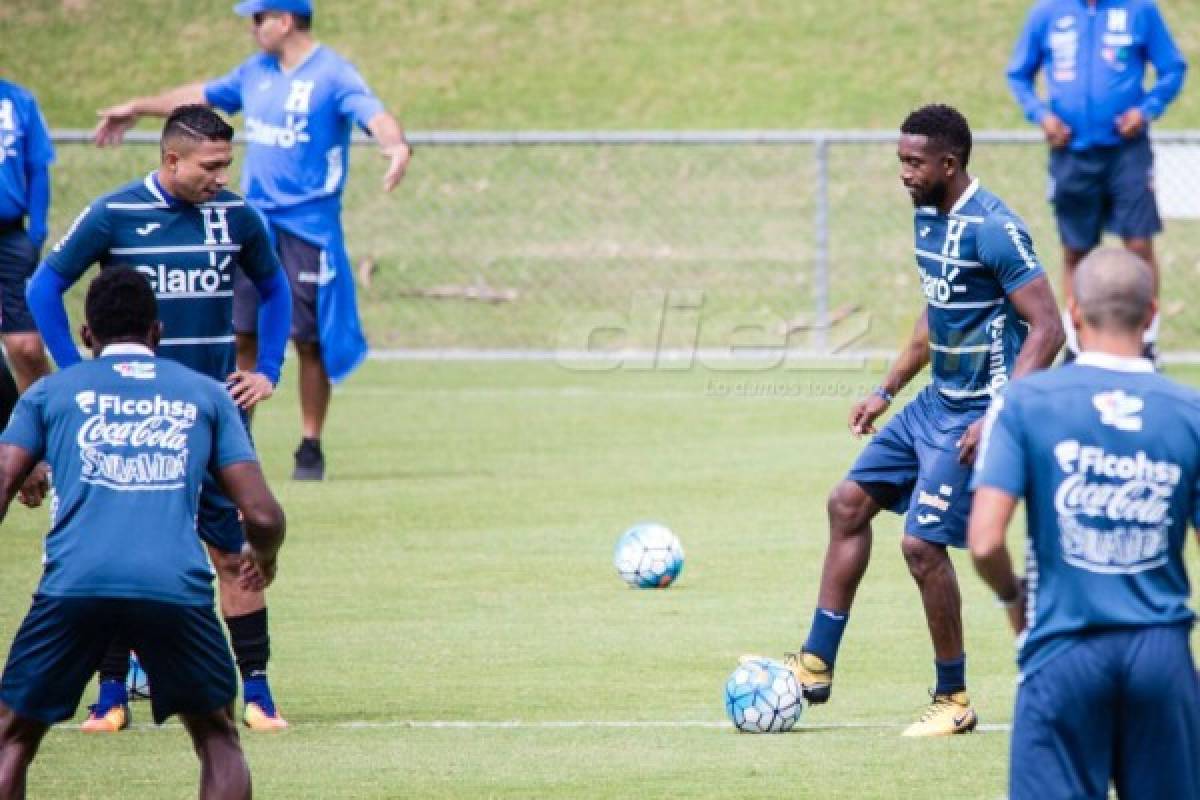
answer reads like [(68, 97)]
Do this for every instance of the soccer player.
[(25, 157), (990, 316), (1106, 455), (1095, 118), (300, 100), (185, 233), (130, 438)]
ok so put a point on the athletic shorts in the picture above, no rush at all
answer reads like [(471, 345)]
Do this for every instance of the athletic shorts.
[(911, 467), (1104, 189), (18, 260), (217, 519), (302, 263), (1121, 705), (60, 644)]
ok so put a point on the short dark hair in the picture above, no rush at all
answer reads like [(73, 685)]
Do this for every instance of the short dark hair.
[(120, 305), (197, 123), (944, 125), (303, 21)]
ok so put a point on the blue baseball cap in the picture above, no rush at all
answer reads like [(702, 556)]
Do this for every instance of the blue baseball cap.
[(251, 7)]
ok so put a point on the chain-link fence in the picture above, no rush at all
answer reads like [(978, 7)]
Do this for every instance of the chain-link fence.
[(579, 241)]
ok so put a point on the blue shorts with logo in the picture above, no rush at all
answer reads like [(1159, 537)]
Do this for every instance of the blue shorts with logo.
[(1104, 189), (911, 467), (1120, 705), (62, 640), (18, 260)]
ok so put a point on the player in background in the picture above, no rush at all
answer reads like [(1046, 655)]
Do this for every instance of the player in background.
[(26, 154), (1106, 455), (989, 316), (1096, 117), (87, 422), (300, 100), (185, 233)]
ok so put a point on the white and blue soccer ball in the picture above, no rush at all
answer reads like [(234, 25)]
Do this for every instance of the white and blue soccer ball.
[(648, 556), (762, 696)]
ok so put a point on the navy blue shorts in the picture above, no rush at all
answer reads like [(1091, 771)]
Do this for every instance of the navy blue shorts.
[(1104, 189), (18, 260), (217, 519), (1118, 705), (62, 640), (911, 466), (302, 264)]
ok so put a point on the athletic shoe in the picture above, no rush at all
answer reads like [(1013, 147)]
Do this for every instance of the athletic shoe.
[(813, 674), (947, 714), (116, 718), (310, 461), (256, 718)]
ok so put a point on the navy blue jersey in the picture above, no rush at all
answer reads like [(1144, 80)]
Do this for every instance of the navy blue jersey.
[(129, 438), (970, 260), (24, 143), (187, 252), (1106, 454), (298, 124)]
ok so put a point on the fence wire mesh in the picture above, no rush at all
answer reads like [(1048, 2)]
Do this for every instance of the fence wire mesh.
[(579, 241)]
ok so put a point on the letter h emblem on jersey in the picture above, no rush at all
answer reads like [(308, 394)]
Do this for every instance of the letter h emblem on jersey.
[(954, 232), (216, 225), (299, 96)]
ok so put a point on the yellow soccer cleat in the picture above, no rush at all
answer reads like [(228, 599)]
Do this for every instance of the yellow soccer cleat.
[(946, 715), (813, 674), (111, 721), (256, 718)]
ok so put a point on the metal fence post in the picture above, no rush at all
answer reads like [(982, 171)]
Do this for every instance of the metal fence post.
[(821, 247)]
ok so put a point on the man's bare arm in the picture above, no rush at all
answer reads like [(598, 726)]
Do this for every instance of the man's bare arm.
[(116, 120)]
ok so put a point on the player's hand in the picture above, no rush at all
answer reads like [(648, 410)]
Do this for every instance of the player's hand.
[(399, 155), (1057, 132), (865, 412), (969, 443), (1131, 123), (36, 486), (248, 389), (256, 574), (114, 122)]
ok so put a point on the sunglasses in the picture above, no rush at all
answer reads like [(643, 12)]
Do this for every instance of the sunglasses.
[(262, 16)]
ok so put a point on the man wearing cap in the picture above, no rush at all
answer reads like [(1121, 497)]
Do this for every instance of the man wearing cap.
[(300, 100)]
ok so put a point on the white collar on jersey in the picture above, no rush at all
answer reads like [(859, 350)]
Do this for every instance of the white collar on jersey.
[(126, 349), (966, 196), (1096, 358)]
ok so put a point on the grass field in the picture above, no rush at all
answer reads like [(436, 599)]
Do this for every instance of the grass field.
[(457, 568)]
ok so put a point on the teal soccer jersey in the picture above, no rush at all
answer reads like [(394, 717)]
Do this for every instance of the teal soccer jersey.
[(188, 254), (970, 261), (129, 438)]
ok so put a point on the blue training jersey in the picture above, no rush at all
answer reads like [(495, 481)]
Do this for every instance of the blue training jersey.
[(187, 252), (129, 438), (1106, 454), (970, 260), (298, 125), (24, 144)]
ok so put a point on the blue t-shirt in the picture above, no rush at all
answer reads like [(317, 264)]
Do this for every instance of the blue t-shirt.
[(129, 438), (187, 252), (24, 143), (1106, 454), (298, 125), (970, 260)]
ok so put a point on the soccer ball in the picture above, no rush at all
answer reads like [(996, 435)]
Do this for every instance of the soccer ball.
[(648, 556), (762, 696)]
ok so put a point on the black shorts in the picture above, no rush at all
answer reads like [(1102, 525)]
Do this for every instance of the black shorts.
[(302, 264), (62, 640), (1104, 189), (18, 260)]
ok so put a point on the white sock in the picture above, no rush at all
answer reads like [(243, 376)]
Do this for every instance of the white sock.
[(1072, 338)]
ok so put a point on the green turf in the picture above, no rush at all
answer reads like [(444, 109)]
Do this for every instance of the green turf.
[(457, 566)]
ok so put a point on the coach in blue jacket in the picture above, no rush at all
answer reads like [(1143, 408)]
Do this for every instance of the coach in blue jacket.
[(1096, 117)]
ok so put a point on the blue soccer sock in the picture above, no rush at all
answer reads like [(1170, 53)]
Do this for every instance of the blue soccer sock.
[(112, 694), (255, 689), (825, 635), (951, 675)]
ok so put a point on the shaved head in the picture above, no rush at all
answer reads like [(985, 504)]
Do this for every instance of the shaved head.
[(1114, 290)]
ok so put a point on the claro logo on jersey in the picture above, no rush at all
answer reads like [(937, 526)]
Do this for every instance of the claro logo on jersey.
[(134, 443), (1113, 509)]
